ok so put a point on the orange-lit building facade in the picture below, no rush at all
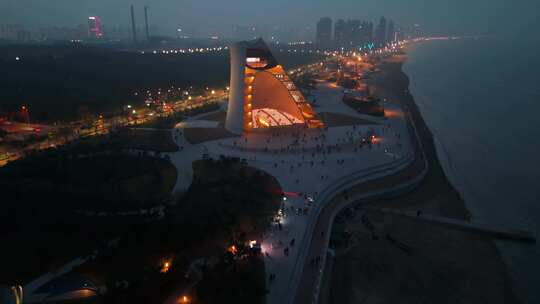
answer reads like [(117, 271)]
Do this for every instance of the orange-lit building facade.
[(262, 95)]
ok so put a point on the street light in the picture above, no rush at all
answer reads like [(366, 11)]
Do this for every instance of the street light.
[(25, 113), (17, 292)]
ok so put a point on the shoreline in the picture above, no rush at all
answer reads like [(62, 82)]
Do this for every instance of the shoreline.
[(436, 195), (393, 84)]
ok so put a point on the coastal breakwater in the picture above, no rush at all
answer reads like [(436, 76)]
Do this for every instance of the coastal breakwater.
[(499, 233)]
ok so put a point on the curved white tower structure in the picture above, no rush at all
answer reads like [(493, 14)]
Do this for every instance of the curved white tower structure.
[(235, 110), (261, 94)]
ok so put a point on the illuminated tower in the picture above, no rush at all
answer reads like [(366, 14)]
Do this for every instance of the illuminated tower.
[(262, 95), (95, 29)]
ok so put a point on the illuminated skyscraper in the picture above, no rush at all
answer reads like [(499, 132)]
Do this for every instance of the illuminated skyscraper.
[(95, 29), (262, 96)]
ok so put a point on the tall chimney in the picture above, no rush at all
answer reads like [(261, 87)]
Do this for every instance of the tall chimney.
[(133, 29), (146, 22)]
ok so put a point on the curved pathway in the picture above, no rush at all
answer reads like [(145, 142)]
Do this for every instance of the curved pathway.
[(307, 290), (333, 159)]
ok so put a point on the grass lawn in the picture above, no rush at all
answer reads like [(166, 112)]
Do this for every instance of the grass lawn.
[(125, 139), (150, 140), (162, 123), (98, 182)]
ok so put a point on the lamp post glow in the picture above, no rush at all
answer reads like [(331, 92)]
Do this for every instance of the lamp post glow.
[(17, 292), (165, 267)]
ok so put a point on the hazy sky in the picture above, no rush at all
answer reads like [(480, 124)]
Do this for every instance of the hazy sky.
[(438, 16)]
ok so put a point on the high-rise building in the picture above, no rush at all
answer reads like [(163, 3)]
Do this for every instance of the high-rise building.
[(353, 28), (399, 33), (262, 96), (391, 34), (324, 31), (340, 33), (95, 29), (381, 33), (417, 31), (367, 32), (352, 33)]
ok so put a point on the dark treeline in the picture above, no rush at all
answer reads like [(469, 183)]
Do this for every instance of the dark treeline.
[(42, 197), (66, 83)]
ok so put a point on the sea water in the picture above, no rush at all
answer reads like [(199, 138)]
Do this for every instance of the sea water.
[(481, 100)]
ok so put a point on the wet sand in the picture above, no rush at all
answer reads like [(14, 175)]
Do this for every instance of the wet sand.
[(410, 261)]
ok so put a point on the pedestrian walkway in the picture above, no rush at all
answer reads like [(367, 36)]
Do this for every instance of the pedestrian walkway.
[(305, 163)]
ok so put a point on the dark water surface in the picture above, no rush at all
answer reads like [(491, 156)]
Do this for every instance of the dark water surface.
[(481, 100)]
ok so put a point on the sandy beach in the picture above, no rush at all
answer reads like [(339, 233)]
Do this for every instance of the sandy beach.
[(389, 259)]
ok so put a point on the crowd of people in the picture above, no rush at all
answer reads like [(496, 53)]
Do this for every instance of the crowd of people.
[(292, 150)]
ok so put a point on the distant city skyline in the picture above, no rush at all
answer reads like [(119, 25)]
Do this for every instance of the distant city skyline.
[(206, 17)]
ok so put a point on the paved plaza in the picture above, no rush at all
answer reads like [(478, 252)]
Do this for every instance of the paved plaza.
[(306, 163)]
